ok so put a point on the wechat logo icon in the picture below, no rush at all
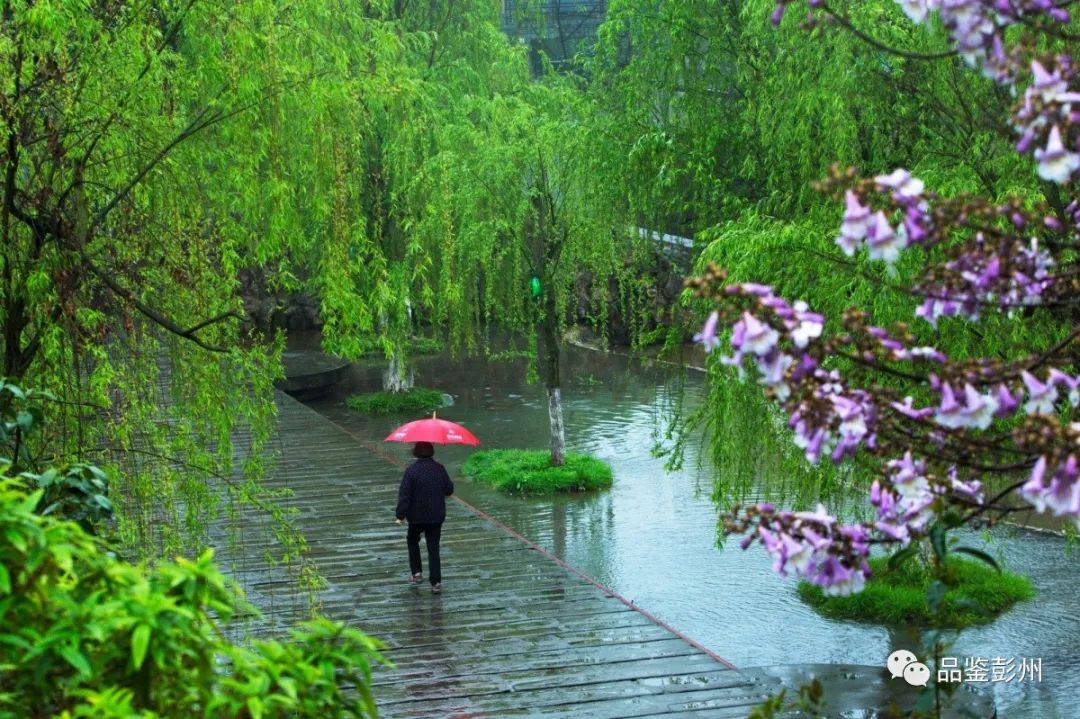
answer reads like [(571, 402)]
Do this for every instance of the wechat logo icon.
[(903, 663)]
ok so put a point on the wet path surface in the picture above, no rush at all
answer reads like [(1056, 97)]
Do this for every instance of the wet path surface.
[(512, 634)]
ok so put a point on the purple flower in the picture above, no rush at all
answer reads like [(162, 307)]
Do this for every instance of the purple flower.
[(885, 243), (908, 410), (707, 337), (1058, 378), (980, 408), (904, 186), (1033, 489), (777, 15), (916, 224), (917, 10), (855, 226), (1056, 164), (1048, 85), (772, 368), (809, 328), (1041, 397), (896, 532), (837, 580), (820, 516), (1007, 403), (951, 413), (759, 338)]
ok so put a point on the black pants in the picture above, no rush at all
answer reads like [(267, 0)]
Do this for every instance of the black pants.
[(431, 533)]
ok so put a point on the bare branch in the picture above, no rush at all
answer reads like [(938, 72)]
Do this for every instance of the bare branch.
[(847, 24), (157, 317)]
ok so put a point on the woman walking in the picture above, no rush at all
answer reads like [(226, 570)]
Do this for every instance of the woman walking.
[(422, 501)]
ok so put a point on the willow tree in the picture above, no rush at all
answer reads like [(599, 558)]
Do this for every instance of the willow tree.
[(720, 113), (527, 232), (449, 49), (150, 155)]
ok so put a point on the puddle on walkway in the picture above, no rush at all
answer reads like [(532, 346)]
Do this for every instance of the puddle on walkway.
[(652, 536)]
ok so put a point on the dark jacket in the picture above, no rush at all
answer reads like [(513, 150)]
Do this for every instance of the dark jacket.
[(423, 492)]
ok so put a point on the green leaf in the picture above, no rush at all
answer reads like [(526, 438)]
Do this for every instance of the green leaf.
[(25, 420), (980, 555), (5, 580), (255, 707), (77, 659), (140, 640), (937, 540)]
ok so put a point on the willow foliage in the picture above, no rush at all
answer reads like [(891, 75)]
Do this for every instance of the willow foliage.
[(719, 111), (156, 157)]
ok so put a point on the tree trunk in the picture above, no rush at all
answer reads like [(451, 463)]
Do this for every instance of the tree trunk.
[(558, 433), (396, 378), (549, 331)]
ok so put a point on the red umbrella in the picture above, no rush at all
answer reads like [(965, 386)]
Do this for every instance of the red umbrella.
[(434, 430)]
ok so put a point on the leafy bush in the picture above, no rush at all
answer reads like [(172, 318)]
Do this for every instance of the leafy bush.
[(415, 400), (78, 492), (521, 471), (85, 634), (974, 594)]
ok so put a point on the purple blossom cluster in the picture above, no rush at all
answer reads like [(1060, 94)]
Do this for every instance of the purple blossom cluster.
[(1061, 496), (1047, 107), (995, 269), (978, 27), (906, 502), (883, 241), (812, 545)]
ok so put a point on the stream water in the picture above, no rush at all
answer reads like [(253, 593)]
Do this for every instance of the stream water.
[(652, 537)]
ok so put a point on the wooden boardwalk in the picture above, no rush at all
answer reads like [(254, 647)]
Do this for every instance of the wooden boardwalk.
[(514, 633)]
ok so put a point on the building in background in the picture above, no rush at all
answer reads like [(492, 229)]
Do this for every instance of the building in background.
[(558, 28)]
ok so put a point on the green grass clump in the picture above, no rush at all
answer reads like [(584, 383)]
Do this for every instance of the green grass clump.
[(417, 399), (976, 594), (521, 471)]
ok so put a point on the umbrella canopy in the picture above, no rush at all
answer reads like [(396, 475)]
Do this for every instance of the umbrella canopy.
[(434, 430)]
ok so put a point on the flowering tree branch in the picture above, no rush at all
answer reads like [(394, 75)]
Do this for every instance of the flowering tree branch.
[(937, 427)]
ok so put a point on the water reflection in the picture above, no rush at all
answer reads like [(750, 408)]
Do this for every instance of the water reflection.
[(652, 537)]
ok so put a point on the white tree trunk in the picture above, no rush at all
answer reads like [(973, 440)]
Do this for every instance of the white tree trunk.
[(395, 378), (558, 432)]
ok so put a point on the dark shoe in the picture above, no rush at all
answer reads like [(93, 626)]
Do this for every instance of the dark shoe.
[(415, 578), (436, 588)]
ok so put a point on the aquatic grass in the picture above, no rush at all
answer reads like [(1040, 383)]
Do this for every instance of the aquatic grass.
[(417, 399), (522, 471), (976, 594)]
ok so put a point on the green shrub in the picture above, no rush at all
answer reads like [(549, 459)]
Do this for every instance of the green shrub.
[(976, 594), (415, 400), (521, 471), (84, 634)]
